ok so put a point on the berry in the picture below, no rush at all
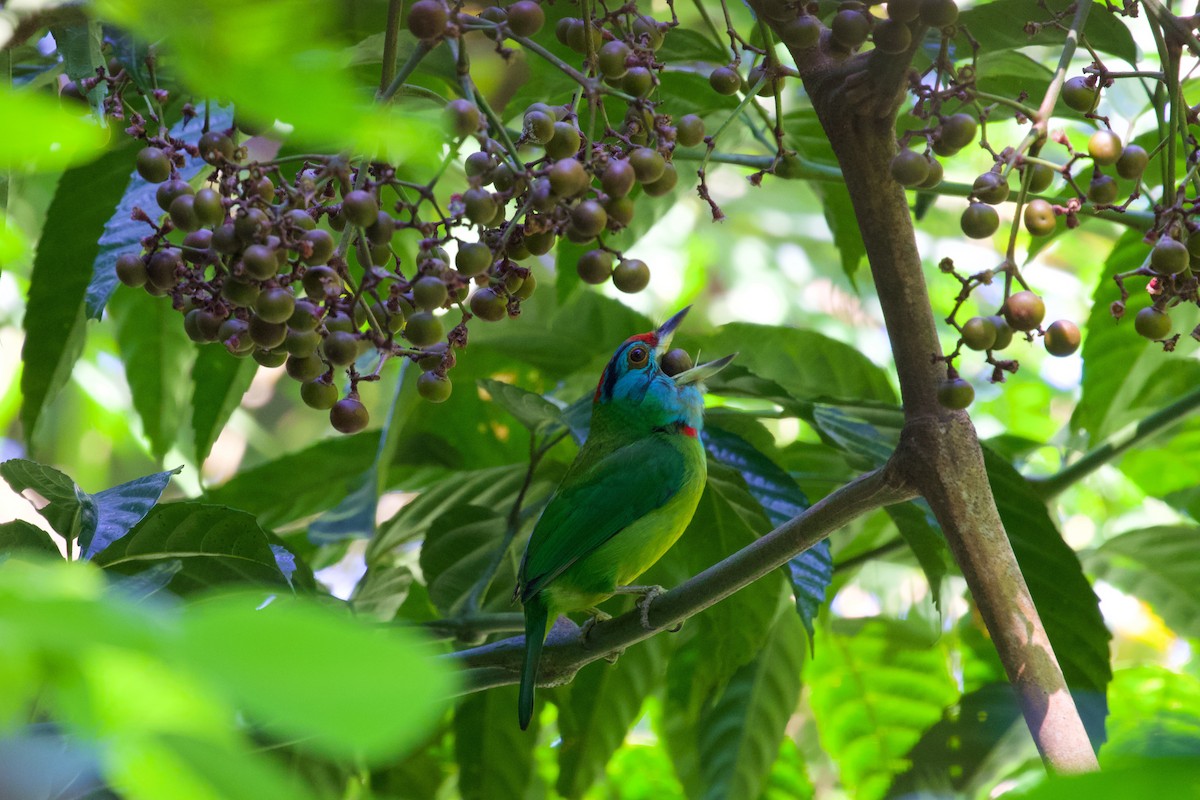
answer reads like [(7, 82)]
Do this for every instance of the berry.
[(319, 281), (168, 191), (434, 387), (612, 57), (649, 30), (689, 130), (429, 293), (595, 266), (910, 168), (725, 80), (251, 224), (349, 415), (1169, 256), (240, 293), (427, 20), (1004, 334), (340, 348), (201, 325), (539, 244), (270, 358), (990, 188), (1152, 324), (153, 165), (305, 315), (1102, 190), (208, 207), (638, 81), (423, 329), (565, 142), (301, 343), (319, 394), (538, 126), (360, 208), (955, 393), (891, 36), (1062, 338), (267, 334), (648, 165), (631, 275), (275, 304), (1078, 95), (618, 178), (1104, 147), (304, 368), (620, 211), (1132, 162), (567, 177), (589, 217), (979, 221), (1024, 311), (675, 362), (768, 86), (850, 28), (1042, 177), (664, 184), (526, 289), (903, 10), (163, 269), (322, 245), (215, 147), (979, 333), (525, 18), (1039, 218), (260, 262), (489, 304), (131, 270), (958, 130), (802, 32), (473, 258), (935, 174), (938, 13)]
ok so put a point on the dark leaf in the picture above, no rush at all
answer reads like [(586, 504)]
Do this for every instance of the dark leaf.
[(530, 409), (999, 25), (495, 757), (21, 535), (218, 383), (68, 508), (122, 507)]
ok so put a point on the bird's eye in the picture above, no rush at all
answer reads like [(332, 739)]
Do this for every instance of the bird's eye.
[(638, 356)]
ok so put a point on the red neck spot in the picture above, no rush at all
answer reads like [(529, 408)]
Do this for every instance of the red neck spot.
[(688, 430)]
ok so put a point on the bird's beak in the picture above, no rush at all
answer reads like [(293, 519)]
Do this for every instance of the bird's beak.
[(702, 372), (666, 331)]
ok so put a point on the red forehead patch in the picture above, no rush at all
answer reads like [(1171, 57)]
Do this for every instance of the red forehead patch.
[(648, 338)]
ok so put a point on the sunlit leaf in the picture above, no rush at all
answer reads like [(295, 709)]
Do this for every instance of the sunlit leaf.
[(122, 507), (36, 133), (1159, 566), (219, 382)]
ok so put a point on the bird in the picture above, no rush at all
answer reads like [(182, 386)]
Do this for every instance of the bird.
[(626, 498)]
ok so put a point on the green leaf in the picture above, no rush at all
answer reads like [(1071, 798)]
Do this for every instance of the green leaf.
[(877, 685), (806, 364), (192, 768), (156, 353), (68, 508), (739, 736), (54, 315), (122, 233), (381, 592), (1008, 73), (955, 750), (1156, 565), (603, 701), (1069, 609), (122, 507), (80, 44), (217, 546), (530, 409), (843, 224), (690, 93), (392, 689), (921, 532), (495, 757), (37, 134), (457, 548), (1155, 713), (999, 25), (218, 383), (315, 478), (686, 44), (781, 499), (1148, 777), (21, 535)]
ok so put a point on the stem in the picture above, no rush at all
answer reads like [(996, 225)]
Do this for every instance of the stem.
[(423, 48), (1116, 444), (499, 663), (391, 44)]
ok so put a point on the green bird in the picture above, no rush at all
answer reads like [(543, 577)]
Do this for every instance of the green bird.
[(626, 498)]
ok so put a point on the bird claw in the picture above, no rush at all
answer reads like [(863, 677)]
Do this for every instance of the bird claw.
[(650, 594), (596, 616)]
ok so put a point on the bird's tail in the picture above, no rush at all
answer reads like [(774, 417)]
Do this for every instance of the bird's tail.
[(537, 616)]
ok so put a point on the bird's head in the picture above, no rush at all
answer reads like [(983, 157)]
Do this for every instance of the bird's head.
[(635, 383)]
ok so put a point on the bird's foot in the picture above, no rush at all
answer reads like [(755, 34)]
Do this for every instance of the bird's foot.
[(596, 615), (648, 595)]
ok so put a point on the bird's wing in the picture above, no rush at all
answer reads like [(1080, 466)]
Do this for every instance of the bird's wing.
[(595, 504)]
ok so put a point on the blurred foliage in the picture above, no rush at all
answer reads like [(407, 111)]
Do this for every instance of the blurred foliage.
[(243, 624)]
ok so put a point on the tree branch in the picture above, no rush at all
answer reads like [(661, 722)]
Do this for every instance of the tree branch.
[(499, 663), (856, 100)]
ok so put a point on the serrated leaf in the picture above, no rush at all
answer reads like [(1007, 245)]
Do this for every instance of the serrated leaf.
[(217, 546), (781, 499), (868, 444), (124, 234), (807, 365), (21, 535), (999, 25), (122, 507), (495, 757), (530, 409), (603, 701), (1069, 609), (315, 478), (54, 315), (156, 353), (876, 686), (1159, 566), (738, 737), (219, 381), (457, 548), (66, 502)]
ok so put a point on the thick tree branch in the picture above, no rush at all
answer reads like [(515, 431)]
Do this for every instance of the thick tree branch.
[(499, 663), (856, 100)]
